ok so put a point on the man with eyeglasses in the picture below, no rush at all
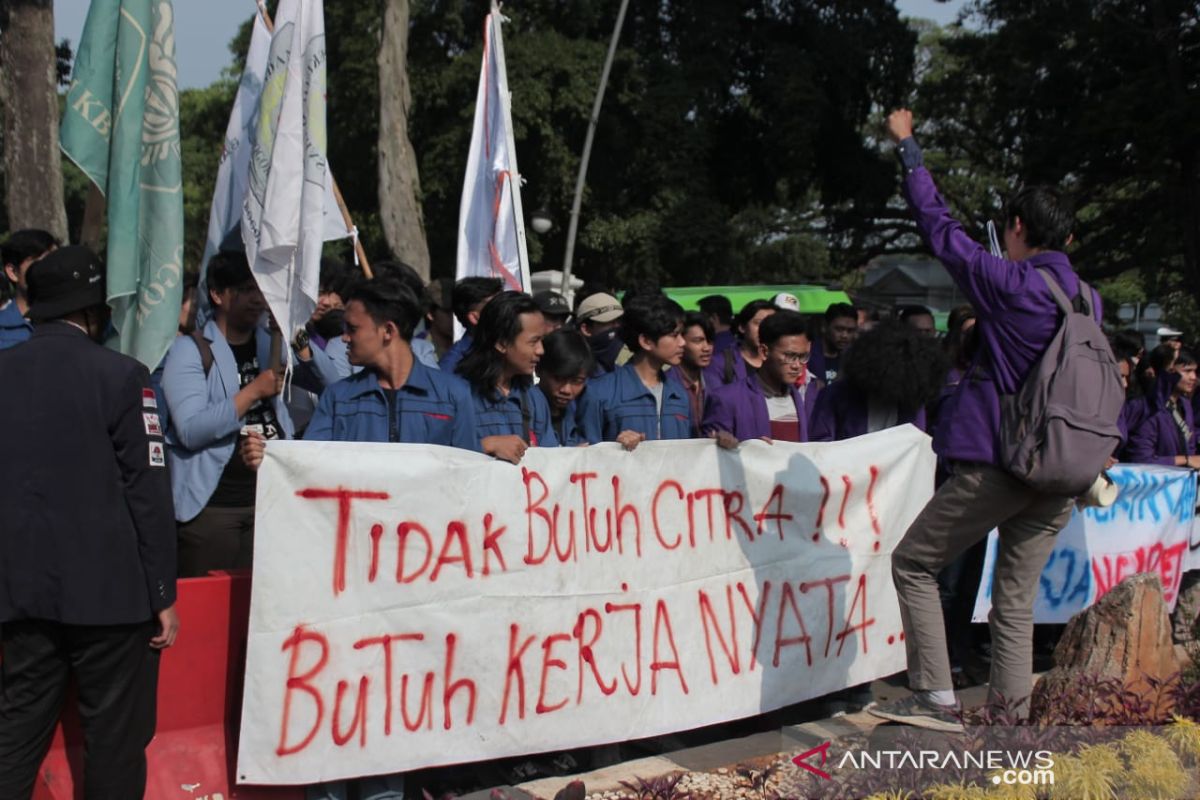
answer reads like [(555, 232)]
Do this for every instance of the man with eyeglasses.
[(767, 404), (218, 386)]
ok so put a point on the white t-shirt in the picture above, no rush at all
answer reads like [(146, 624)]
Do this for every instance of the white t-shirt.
[(781, 409)]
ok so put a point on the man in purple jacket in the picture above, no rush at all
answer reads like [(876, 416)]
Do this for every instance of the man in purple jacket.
[(766, 404), (1017, 318)]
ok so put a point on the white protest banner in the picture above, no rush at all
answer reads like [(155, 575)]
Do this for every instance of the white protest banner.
[(1148, 529), (415, 605), (491, 224)]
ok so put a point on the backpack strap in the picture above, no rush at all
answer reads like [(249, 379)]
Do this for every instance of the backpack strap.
[(1060, 296), (206, 353), (1084, 302)]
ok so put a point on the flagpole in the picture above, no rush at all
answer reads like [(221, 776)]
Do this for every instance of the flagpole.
[(510, 142), (359, 252), (573, 227)]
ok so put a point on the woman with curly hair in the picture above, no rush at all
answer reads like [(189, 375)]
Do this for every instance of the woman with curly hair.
[(888, 377)]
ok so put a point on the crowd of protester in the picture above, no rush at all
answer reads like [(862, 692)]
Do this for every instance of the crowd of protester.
[(379, 361), (471, 365)]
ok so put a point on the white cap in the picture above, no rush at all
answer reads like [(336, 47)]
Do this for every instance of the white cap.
[(786, 301), (1165, 332)]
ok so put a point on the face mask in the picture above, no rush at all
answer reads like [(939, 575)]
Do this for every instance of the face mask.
[(599, 342)]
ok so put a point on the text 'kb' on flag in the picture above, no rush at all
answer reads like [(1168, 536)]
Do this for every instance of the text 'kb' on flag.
[(121, 126)]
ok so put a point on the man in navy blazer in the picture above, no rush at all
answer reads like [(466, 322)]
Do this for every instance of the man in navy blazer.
[(87, 539)]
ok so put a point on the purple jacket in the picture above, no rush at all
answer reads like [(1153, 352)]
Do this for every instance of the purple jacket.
[(1017, 318), (723, 341), (1133, 413), (1156, 439), (741, 409), (842, 413), (716, 372)]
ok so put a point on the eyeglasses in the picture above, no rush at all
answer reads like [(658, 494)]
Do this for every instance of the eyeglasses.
[(795, 358)]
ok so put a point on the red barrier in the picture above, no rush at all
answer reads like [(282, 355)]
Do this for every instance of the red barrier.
[(194, 751)]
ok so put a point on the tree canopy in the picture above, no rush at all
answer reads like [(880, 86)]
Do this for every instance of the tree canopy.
[(741, 140)]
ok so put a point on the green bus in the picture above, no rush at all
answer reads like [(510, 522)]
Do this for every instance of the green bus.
[(813, 299)]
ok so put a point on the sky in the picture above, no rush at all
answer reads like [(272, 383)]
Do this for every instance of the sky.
[(203, 29)]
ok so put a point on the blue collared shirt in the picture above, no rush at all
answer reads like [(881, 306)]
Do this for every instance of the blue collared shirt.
[(455, 354), (497, 415), (619, 401), (14, 328), (431, 407), (567, 430)]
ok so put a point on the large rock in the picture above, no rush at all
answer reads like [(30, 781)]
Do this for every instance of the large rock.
[(1126, 635)]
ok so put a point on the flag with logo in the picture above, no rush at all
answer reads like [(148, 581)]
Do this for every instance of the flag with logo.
[(283, 216), (121, 127), (491, 225), (233, 172)]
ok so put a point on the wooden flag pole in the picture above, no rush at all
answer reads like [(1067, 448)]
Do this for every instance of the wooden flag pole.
[(337, 193)]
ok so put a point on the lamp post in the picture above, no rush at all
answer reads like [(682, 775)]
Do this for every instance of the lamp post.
[(541, 221), (573, 226)]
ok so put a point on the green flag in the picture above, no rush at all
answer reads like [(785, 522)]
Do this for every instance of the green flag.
[(121, 126)]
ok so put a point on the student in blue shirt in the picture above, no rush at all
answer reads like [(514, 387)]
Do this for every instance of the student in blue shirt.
[(636, 402), (510, 414), (19, 251), (468, 298), (423, 349), (394, 397), (562, 377)]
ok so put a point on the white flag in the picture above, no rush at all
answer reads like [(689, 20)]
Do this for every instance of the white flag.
[(491, 226), (233, 174), (283, 216)]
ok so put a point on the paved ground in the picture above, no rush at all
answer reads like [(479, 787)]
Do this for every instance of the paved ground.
[(719, 759)]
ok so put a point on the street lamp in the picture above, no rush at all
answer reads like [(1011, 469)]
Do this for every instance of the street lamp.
[(541, 221)]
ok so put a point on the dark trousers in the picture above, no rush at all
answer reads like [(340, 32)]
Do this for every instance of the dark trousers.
[(217, 538), (116, 673)]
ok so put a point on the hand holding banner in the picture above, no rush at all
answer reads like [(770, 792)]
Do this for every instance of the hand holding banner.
[(415, 605)]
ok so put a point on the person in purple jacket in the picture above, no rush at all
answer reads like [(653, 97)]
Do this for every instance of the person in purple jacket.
[(733, 364), (1143, 386), (1017, 319), (766, 404), (1167, 434)]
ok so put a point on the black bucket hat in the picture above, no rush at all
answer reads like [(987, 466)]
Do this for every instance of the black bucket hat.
[(63, 281)]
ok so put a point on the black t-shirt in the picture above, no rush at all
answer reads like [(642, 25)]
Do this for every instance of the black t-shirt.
[(832, 365), (237, 484)]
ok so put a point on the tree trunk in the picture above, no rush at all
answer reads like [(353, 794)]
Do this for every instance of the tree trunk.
[(28, 89), (399, 184)]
